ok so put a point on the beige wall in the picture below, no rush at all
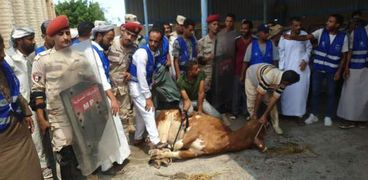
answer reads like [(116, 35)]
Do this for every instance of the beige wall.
[(24, 13)]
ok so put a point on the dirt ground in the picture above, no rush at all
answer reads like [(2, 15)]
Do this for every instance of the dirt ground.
[(303, 152)]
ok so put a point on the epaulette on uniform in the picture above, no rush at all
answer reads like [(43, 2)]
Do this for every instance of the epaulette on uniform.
[(42, 54), (202, 39)]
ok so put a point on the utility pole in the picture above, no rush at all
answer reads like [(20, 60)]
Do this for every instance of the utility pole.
[(204, 14), (145, 16), (264, 11)]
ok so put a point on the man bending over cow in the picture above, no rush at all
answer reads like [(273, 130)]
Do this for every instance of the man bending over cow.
[(192, 90), (264, 82)]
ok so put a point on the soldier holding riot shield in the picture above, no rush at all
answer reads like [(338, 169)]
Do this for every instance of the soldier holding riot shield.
[(62, 132), (65, 83)]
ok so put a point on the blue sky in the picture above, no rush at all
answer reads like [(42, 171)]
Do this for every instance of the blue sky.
[(114, 9)]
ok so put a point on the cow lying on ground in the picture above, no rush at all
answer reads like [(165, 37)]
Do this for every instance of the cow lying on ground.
[(205, 135)]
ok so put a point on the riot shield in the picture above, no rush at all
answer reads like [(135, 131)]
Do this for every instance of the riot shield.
[(223, 71), (86, 106)]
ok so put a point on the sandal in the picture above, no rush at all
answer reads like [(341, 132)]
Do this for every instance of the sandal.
[(347, 126)]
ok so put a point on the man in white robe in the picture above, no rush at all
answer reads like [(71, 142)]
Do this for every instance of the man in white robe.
[(353, 104), (114, 131), (294, 55)]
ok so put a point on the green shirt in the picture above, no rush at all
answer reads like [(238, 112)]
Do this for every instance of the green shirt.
[(191, 87)]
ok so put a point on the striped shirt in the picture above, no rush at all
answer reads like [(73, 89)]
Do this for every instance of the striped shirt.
[(266, 78)]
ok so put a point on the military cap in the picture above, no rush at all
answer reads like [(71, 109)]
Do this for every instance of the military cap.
[(132, 27), (57, 24), (213, 17)]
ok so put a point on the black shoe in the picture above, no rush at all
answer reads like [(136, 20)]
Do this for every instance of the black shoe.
[(137, 142), (116, 169)]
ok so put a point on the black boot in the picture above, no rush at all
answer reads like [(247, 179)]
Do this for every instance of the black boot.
[(68, 164)]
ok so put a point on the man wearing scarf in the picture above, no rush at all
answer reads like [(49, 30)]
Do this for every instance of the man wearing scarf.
[(17, 56), (18, 155), (103, 36)]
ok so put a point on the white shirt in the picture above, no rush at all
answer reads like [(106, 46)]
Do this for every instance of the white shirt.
[(22, 68), (140, 58), (318, 33)]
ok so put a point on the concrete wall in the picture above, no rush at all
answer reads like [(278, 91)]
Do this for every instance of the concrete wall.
[(24, 13)]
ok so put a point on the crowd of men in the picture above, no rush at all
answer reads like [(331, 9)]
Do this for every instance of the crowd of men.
[(171, 69)]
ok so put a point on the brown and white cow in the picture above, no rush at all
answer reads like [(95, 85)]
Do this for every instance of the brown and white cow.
[(205, 135)]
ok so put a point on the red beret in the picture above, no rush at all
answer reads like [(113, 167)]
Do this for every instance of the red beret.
[(132, 27), (57, 24), (213, 17)]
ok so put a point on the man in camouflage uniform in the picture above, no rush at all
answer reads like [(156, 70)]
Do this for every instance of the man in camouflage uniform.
[(47, 73), (120, 57), (184, 47), (206, 48)]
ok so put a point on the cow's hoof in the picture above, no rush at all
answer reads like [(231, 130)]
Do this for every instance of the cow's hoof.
[(155, 163), (166, 161), (153, 152), (158, 153), (159, 145), (260, 145)]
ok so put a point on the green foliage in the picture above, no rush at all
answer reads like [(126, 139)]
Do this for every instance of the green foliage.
[(80, 10)]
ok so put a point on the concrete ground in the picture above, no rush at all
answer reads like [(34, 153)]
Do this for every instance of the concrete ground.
[(303, 152)]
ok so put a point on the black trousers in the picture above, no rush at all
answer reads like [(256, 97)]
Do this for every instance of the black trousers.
[(68, 164)]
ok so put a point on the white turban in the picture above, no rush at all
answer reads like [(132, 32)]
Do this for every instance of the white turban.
[(102, 28), (21, 32)]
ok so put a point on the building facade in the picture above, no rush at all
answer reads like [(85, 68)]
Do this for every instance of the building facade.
[(21, 13)]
